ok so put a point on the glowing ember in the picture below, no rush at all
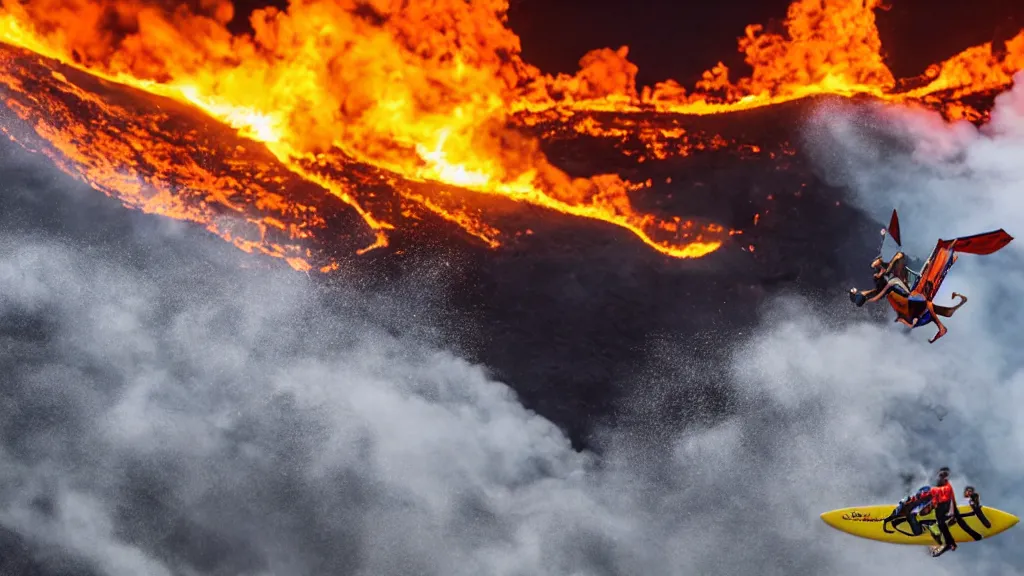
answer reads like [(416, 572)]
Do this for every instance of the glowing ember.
[(428, 95)]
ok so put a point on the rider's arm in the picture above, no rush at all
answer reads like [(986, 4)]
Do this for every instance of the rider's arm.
[(892, 263), (911, 499)]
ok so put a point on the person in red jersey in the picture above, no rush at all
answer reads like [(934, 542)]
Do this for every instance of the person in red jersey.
[(940, 498), (946, 512), (944, 500)]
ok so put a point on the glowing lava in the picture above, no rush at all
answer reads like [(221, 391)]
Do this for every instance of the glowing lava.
[(426, 96)]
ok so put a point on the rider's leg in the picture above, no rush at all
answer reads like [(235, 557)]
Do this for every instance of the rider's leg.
[(942, 519), (938, 324), (915, 526), (965, 527), (947, 311)]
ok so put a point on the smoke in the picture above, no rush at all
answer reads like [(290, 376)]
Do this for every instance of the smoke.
[(831, 408), (177, 415), (954, 403), (163, 422)]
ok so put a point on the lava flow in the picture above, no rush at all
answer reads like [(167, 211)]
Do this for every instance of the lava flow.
[(429, 103)]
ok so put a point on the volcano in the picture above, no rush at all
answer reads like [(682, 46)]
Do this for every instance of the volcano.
[(744, 172), (261, 316), (686, 208), (469, 131)]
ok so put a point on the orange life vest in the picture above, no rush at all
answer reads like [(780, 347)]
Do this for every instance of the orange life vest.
[(942, 494)]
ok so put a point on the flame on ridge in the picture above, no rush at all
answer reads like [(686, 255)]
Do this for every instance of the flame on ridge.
[(434, 91)]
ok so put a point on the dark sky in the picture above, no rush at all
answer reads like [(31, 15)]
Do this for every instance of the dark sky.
[(681, 39)]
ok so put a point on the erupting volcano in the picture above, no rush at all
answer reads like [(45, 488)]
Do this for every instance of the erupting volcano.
[(390, 113)]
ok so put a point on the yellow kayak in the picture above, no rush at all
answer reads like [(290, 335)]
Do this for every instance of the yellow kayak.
[(869, 522)]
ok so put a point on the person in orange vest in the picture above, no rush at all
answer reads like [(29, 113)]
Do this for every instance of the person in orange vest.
[(944, 499)]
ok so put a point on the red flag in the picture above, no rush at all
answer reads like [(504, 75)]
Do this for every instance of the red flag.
[(894, 228)]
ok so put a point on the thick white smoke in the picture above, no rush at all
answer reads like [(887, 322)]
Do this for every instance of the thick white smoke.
[(922, 406), (245, 416), (191, 419)]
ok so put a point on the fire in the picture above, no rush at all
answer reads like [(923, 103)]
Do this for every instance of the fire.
[(830, 47), (427, 95)]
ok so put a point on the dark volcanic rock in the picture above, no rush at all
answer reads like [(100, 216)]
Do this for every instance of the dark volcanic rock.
[(566, 313), (562, 312)]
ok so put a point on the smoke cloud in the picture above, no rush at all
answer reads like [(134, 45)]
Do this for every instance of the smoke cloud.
[(178, 415), (952, 403)]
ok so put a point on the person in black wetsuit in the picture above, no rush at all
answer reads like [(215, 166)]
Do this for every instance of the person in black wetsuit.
[(908, 510), (946, 513), (945, 505)]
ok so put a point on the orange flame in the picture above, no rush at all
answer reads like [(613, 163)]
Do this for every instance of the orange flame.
[(830, 47), (429, 93)]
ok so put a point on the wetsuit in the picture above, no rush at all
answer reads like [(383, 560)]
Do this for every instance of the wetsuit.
[(945, 509), (975, 502), (943, 498), (979, 513), (909, 507)]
